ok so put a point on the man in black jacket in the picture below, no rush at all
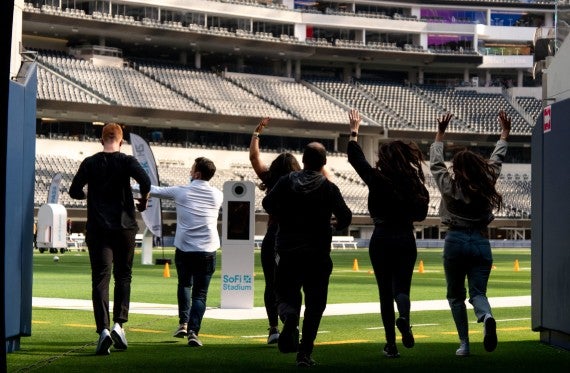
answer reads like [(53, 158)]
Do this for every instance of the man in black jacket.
[(111, 230), (304, 203)]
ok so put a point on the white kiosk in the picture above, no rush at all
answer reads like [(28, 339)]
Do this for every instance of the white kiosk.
[(51, 229), (238, 214)]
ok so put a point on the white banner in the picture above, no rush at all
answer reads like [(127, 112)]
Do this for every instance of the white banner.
[(152, 216), (53, 192)]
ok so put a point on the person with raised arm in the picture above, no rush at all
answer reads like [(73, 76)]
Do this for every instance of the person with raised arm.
[(397, 197), (469, 198)]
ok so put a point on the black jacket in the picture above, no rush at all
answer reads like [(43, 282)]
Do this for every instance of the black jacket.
[(303, 203), (389, 201), (110, 203)]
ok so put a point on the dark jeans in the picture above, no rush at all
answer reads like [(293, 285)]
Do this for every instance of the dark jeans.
[(268, 265), (310, 272), (393, 254), (111, 251), (195, 270), (467, 254)]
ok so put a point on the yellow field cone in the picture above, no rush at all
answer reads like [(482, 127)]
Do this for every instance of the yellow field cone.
[(421, 267), (166, 271), (517, 268), (355, 265)]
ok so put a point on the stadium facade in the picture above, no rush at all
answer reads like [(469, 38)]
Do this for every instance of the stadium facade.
[(193, 78)]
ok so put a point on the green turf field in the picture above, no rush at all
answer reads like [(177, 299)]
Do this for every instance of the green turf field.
[(70, 277), (64, 341)]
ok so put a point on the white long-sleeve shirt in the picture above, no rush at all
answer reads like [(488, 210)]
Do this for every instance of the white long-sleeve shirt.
[(197, 208)]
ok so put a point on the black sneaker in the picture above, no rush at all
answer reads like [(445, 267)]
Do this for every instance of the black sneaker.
[(193, 340), (289, 338), (181, 332), (390, 350), (304, 360), (406, 330), (490, 334)]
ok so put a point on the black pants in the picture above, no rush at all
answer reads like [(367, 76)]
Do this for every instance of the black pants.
[(310, 272), (393, 254), (111, 251), (268, 265)]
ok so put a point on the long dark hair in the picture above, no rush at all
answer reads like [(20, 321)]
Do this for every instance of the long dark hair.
[(473, 175), (401, 163), (284, 164)]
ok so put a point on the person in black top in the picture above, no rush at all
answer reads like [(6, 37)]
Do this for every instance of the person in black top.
[(111, 229), (396, 191), (304, 203), (283, 164)]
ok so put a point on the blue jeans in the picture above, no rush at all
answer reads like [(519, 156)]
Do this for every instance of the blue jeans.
[(195, 270), (467, 254)]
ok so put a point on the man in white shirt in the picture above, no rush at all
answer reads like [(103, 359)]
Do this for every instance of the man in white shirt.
[(196, 240)]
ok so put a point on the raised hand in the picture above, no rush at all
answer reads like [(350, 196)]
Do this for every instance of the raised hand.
[(262, 124), (443, 122), (354, 120), (505, 122)]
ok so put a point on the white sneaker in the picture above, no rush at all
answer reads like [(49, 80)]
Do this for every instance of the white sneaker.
[(273, 335), (119, 338), (104, 343), (463, 349)]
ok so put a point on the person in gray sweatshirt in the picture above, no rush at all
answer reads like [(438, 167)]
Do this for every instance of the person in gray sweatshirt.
[(468, 199)]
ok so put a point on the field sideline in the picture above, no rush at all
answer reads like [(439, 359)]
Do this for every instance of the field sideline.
[(350, 337)]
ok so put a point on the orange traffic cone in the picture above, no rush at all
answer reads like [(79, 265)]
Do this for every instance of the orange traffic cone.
[(355, 265), (166, 271), (517, 268), (421, 267)]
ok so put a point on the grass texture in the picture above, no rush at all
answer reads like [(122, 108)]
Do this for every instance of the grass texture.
[(64, 341)]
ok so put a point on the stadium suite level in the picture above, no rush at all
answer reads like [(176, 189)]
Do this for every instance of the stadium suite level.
[(448, 56)]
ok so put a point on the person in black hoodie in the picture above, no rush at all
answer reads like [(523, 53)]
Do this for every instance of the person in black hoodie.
[(304, 203), (397, 197)]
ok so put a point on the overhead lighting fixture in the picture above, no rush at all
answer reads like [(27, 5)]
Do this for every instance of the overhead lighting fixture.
[(98, 123)]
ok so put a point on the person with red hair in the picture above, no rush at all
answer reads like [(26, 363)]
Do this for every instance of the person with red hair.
[(111, 229)]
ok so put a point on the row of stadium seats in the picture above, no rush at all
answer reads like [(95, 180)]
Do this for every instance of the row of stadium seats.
[(514, 183), (395, 105)]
